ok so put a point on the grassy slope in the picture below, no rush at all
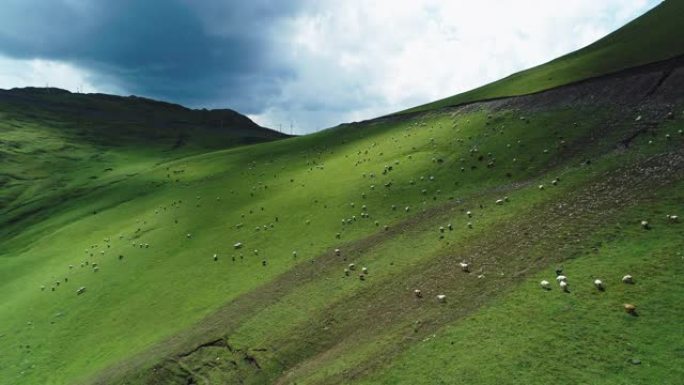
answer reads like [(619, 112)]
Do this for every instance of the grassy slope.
[(155, 292), (57, 145), (646, 39), (327, 328)]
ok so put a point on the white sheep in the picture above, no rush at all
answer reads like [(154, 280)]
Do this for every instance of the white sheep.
[(464, 266), (673, 218), (499, 201), (541, 186), (237, 245), (545, 285), (599, 285), (469, 214), (441, 298), (80, 290), (352, 266), (418, 293), (337, 252), (628, 279), (645, 225), (364, 270), (564, 286), (561, 278)]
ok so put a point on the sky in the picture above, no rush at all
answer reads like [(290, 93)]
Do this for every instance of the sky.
[(305, 64)]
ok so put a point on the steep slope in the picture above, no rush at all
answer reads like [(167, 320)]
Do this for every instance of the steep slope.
[(649, 38), (170, 313), (56, 145), (221, 266), (615, 145)]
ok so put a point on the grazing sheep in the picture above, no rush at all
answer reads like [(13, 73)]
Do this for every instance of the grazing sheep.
[(469, 214), (352, 266), (188, 235), (629, 308), (628, 279), (337, 252), (673, 218), (541, 186), (465, 267), (645, 225), (80, 290), (441, 229), (545, 285), (499, 201), (294, 254), (364, 270), (418, 293), (561, 278), (237, 245), (564, 286), (215, 257), (441, 298), (599, 285)]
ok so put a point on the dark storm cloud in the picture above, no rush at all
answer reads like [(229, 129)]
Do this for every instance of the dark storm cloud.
[(194, 52)]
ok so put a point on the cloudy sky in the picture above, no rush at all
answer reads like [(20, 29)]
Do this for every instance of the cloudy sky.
[(315, 63)]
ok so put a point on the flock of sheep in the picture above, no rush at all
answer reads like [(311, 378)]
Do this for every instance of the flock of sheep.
[(562, 280)]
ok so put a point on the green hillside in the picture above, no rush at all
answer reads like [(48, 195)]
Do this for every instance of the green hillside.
[(152, 249), (648, 39), (57, 145)]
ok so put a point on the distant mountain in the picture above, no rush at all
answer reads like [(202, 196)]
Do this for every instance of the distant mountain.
[(49, 137), (117, 120)]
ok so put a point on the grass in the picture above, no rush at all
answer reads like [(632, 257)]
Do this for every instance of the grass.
[(131, 314), (583, 336)]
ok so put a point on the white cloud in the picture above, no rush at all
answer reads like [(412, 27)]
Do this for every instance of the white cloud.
[(41, 73), (357, 59)]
